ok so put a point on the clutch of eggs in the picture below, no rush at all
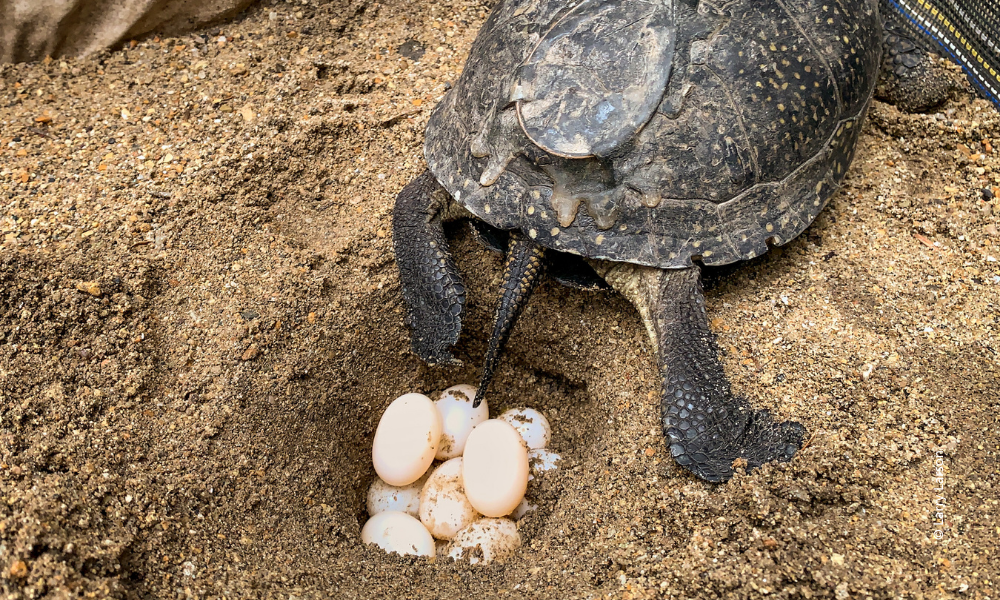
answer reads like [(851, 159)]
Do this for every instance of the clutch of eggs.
[(463, 505)]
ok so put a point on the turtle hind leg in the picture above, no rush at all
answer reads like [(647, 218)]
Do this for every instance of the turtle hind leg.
[(432, 287), (912, 78), (707, 428), (523, 269)]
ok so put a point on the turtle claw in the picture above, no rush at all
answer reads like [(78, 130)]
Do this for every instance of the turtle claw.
[(436, 357), (781, 447), (762, 441)]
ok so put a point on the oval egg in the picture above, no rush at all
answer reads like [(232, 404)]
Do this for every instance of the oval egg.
[(383, 497), (541, 461), (406, 439), (522, 509), (444, 509), (531, 424), (486, 540), (495, 469), (395, 531), (458, 418)]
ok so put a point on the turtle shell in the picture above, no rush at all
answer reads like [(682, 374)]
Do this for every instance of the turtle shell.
[(657, 131)]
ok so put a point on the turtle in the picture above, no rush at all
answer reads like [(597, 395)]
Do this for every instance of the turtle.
[(630, 143)]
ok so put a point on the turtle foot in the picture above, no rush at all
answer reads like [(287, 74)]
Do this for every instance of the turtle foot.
[(708, 445), (911, 77), (432, 287)]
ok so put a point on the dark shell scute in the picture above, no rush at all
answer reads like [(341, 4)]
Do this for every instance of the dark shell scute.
[(754, 132), (596, 76)]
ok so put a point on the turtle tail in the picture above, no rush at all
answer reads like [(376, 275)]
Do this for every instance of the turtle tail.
[(707, 428), (523, 269)]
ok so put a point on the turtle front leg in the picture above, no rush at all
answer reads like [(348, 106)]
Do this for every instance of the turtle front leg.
[(432, 287), (707, 428)]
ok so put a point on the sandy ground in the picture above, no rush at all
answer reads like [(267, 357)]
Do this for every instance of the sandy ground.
[(200, 324)]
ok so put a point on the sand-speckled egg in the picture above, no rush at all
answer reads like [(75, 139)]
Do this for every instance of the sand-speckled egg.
[(395, 531), (444, 509), (495, 468), (458, 418), (383, 497), (522, 509), (406, 439), (531, 424), (541, 461), (486, 540)]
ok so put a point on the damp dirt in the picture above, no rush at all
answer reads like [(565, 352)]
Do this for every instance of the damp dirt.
[(201, 322)]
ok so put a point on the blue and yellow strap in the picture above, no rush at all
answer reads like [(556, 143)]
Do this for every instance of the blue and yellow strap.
[(967, 30)]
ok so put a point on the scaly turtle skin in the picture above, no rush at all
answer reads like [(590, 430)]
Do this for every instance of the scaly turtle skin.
[(642, 136)]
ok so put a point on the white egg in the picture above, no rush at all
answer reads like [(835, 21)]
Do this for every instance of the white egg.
[(522, 509), (541, 461), (444, 509), (495, 471), (406, 439), (531, 424), (486, 540), (458, 418), (383, 497), (395, 531)]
